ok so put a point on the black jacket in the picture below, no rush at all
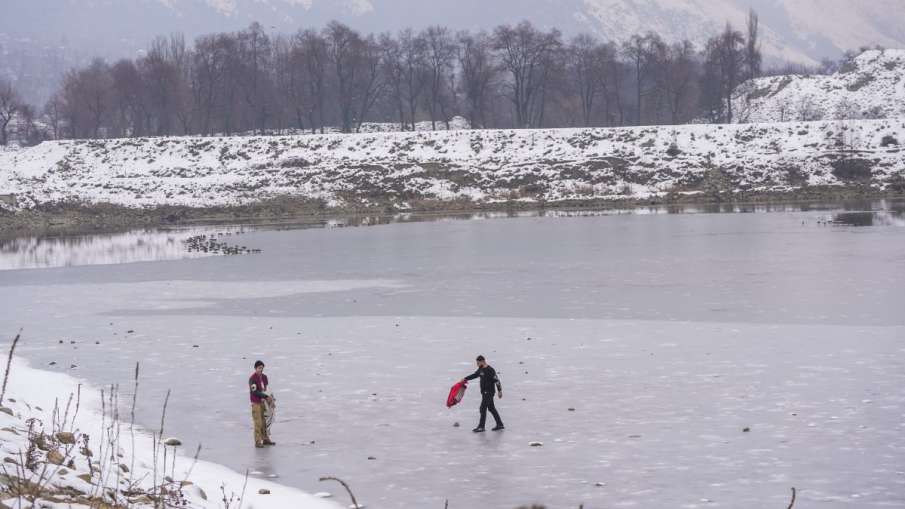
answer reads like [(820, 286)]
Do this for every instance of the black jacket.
[(490, 381)]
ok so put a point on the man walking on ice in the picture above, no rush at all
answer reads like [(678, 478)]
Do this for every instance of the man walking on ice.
[(257, 385), (490, 384)]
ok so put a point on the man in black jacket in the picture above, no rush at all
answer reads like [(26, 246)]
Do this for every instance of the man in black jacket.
[(490, 384)]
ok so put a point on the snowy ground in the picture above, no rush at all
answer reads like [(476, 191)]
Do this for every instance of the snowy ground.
[(872, 85), (667, 335), (29, 397), (484, 166)]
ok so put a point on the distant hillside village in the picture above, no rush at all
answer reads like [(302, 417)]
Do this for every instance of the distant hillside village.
[(515, 76)]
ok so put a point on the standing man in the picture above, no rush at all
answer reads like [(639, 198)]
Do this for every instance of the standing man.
[(490, 384), (257, 385)]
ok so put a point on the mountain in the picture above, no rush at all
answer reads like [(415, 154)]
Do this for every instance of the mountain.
[(796, 30), (871, 85)]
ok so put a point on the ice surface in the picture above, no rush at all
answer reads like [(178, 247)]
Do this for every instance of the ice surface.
[(667, 334)]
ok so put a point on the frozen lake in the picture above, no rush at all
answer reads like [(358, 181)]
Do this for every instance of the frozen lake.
[(635, 347)]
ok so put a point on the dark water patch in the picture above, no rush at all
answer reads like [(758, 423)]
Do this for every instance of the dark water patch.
[(869, 218), (854, 219)]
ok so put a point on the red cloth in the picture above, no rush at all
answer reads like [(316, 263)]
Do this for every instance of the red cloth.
[(257, 383), (456, 394)]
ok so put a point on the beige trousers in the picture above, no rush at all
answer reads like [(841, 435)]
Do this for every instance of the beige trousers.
[(257, 418)]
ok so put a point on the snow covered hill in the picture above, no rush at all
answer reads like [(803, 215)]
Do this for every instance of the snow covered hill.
[(485, 166), (798, 30), (872, 85)]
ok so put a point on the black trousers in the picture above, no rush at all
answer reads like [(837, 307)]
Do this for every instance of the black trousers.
[(487, 404)]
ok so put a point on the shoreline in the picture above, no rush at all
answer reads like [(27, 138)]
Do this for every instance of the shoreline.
[(75, 219), (38, 397)]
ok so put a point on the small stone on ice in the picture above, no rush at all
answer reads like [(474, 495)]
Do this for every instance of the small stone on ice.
[(371, 458), (571, 409), (173, 442), (455, 425), (746, 429), (599, 484), (264, 491), (535, 444)]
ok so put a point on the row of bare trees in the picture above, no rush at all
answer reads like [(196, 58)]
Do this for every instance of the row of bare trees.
[(514, 76)]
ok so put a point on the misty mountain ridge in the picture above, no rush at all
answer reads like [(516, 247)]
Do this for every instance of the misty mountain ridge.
[(803, 31)]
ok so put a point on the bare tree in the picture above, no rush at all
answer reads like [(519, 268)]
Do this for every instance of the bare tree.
[(441, 53), (28, 132), (342, 44), (517, 76), (393, 75), (53, 113), (524, 53), (87, 96), (129, 105), (286, 84), (678, 80), (613, 77), (586, 72), (184, 103), (313, 52), (753, 58), (478, 74), (369, 85), (414, 67), (254, 54), (211, 63), (641, 53), (724, 61), (10, 103), (162, 77)]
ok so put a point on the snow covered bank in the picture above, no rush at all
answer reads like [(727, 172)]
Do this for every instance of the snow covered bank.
[(484, 166), (60, 461), (872, 85)]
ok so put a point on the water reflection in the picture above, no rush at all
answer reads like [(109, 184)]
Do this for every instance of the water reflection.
[(101, 249), (868, 219), (854, 219), (176, 243)]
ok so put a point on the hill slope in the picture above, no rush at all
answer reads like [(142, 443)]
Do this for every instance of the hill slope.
[(872, 85), (484, 166)]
